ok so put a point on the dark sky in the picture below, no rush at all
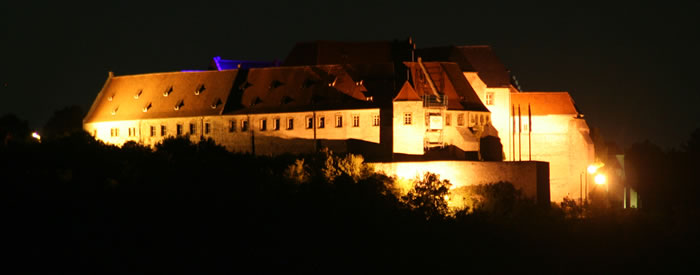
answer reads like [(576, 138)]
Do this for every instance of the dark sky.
[(630, 68)]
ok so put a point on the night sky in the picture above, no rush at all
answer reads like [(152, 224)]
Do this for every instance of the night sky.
[(631, 69)]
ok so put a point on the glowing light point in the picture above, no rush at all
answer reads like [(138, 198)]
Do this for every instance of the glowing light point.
[(36, 136), (600, 179)]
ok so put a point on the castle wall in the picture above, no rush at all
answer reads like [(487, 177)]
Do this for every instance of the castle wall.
[(563, 141), (531, 177), (271, 139)]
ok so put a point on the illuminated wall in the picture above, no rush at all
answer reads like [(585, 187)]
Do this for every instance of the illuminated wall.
[(356, 124), (499, 104), (532, 178), (564, 142)]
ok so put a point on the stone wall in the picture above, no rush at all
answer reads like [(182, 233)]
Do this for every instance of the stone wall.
[(531, 177)]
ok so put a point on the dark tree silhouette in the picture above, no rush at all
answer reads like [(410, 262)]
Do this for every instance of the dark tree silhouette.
[(63, 123), (13, 129)]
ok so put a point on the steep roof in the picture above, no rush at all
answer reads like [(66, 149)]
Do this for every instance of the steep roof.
[(480, 59), (266, 90), (545, 103), (144, 96), (407, 93), (301, 88), (450, 82)]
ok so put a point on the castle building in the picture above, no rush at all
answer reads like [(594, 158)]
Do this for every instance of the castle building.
[(542, 126), (386, 109), (385, 100)]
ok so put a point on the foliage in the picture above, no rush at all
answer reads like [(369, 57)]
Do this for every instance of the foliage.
[(428, 196), (297, 172), (63, 123)]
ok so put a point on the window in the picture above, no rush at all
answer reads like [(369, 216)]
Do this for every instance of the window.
[(153, 131), (338, 121), (355, 121), (132, 132), (276, 124), (448, 119), (375, 120), (193, 129), (481, 119), (179, 130), (199, 89), (162, 130), (207, 128), (309, 122), (460, 119), (322, 122), (231, 126), (407, 118), (290, 123), (489, 98), (472, 119), (244, 125), (263, 124), (168, 91)]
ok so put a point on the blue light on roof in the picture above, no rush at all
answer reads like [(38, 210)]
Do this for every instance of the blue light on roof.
[(227, 64)]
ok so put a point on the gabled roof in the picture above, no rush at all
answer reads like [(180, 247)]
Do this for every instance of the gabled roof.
[(480, 59), (460, 95), (303, 88), (545, 103), (407, 93), (142, 96)]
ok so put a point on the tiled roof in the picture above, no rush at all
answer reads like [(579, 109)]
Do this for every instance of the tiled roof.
[(265, 90), (545, 103), (480, 59), (143, 96), (300, 88), (407, 93), (451, 83)]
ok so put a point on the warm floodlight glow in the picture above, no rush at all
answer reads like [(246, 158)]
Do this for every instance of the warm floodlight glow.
[(594, 167), (600, 179), (36, 136)]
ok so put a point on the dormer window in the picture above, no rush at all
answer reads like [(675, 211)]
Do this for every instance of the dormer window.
[(179, 104), (359, 83), (308, 83), (168, 91), (255, 101), (245, 85), (114, 112), (138, 94), (148, 106), (275, 83), (332, 83), (199, 89), (110, 98), (286, 99), (216, 103)]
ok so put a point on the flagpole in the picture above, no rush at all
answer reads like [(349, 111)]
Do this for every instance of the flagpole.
[(529, 128), (512, 151), (520, 131)]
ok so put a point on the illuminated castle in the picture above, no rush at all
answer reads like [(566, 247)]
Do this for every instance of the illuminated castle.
[(378, 99)]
